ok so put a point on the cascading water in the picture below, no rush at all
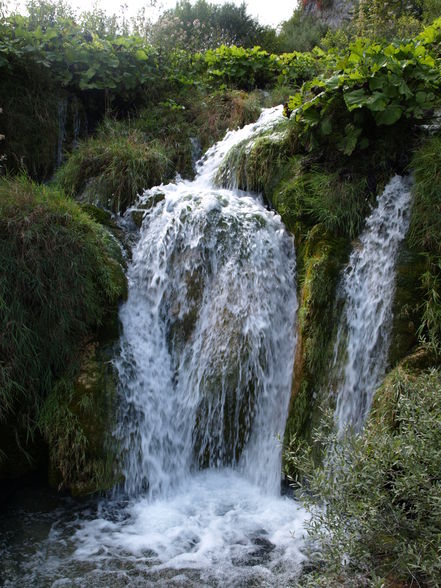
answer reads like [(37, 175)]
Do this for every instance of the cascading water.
[(367, 289), (205, 367), (208, 341)]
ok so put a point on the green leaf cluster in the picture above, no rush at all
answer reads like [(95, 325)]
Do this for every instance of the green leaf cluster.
[(79, 59), (249, 68), (373, 85)]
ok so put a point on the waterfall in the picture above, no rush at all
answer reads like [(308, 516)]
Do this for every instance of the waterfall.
[(205, 367), (205, 363), (367, 288), (208, 345)]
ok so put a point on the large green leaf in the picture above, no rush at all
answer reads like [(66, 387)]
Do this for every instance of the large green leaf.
[(355, 99), (389, 116)]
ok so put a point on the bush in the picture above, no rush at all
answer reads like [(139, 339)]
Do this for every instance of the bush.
[(59, 279), (245, 69), (375, 500), (112, 168), (203, 25)]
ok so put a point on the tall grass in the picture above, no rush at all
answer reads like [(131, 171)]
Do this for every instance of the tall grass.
[(112, 168)]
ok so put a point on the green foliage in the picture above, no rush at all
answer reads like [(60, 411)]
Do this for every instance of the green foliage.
[(112, 168), (320, 259), (78, 59), (425, 231), (59, 279), (249, 68), (223, 110), (373, 86), (431, 10), (75, 420), (374, 502), (315, 196), (388, 19)]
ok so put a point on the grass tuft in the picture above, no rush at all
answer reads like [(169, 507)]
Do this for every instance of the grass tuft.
[(111, 169)]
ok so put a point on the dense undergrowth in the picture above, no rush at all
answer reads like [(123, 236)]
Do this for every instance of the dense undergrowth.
[(113, 167)]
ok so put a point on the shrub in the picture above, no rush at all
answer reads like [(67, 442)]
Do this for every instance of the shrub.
[(112, 168), (246, 69), (59, 279), (302, 32), (375, 500)]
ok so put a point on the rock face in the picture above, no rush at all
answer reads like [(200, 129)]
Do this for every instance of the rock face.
[(334, 13)]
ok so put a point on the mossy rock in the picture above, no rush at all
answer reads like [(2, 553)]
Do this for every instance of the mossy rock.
[(320, 259), (406, 315), (63, 280), (78, 419)]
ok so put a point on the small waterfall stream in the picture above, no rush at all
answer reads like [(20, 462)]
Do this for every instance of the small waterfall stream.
[(208, 341), (367, 288)]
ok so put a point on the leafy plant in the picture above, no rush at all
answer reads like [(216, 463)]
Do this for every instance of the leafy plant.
[(249, 68), (373, 86)]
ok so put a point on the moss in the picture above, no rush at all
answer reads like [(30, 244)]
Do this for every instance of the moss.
[(257, 162), (60, 282), (76, 419), (320, 259), (406, 314)]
